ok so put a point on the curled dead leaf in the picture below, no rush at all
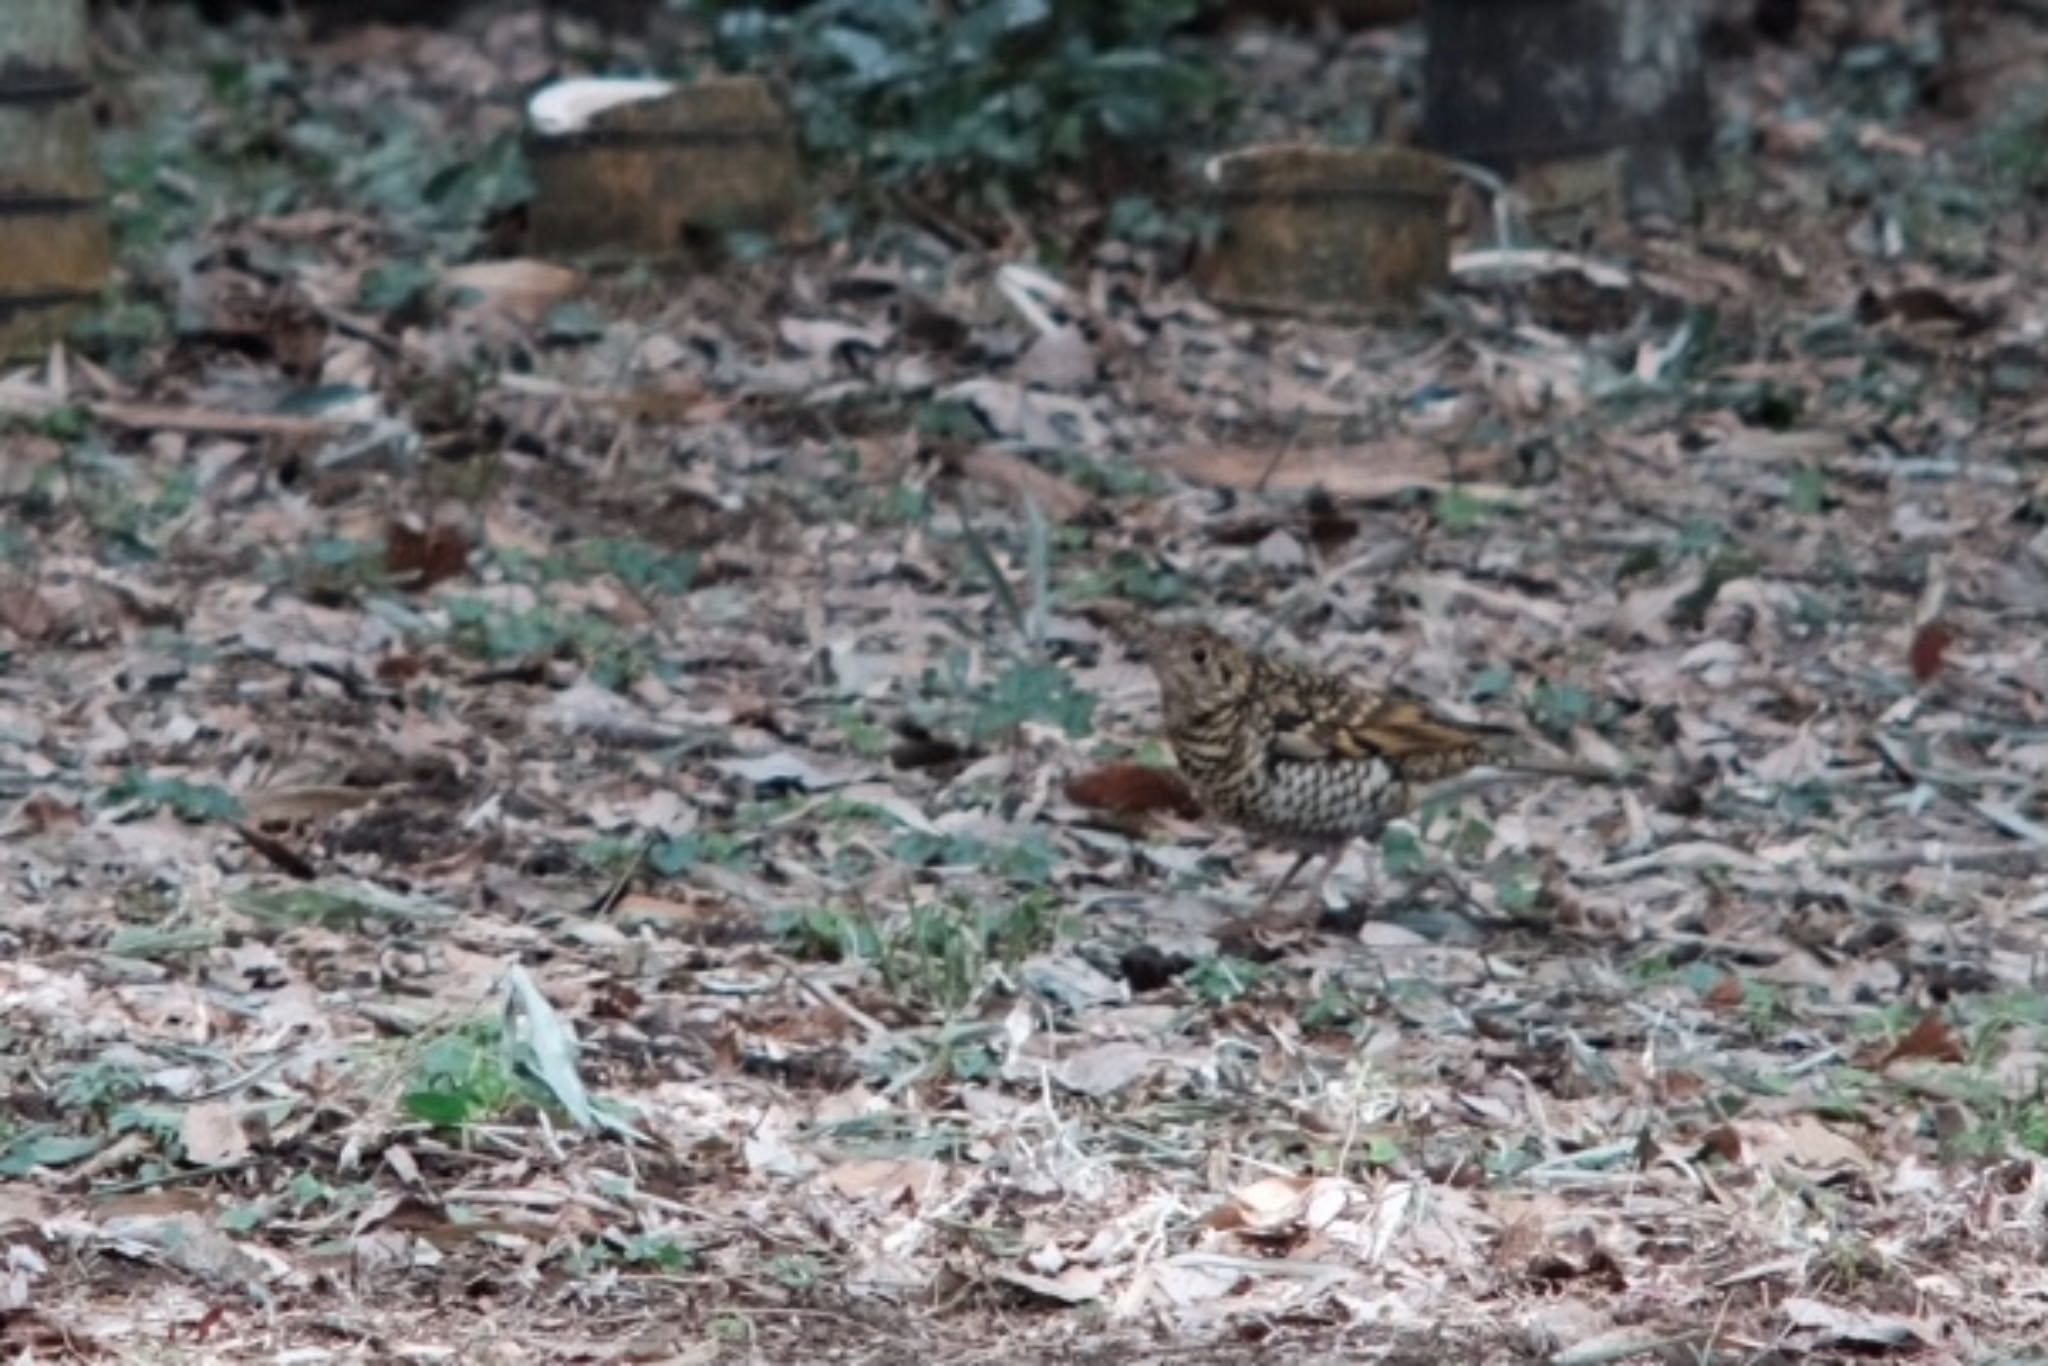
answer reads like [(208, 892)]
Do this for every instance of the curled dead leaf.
[(40, 813), (1929, 1038), (522, 288), (1075, 1285), (1930, 647), (1277, 1204), (1803, 1142), (887, 1180), (1721, 1141)]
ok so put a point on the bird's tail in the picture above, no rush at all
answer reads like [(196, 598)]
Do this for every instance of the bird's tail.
[(1509, 749), (1543, 765)]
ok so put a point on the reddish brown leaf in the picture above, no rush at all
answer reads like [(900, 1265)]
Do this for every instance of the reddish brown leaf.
[(1722, 1142), (1133, 790), (1930, 643), (399, 668), (42, 813), (1726, 993), (1931, 1038), (1680, 1085), (421, 559)]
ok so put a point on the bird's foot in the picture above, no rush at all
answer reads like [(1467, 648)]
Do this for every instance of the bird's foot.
[(1260, 937)]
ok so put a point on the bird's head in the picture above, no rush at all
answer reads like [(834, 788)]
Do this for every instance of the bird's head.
[(1198, 669)]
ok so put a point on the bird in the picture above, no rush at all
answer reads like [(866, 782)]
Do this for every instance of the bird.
[(1300, 757)]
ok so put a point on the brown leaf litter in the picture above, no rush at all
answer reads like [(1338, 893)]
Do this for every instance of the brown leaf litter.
[(624, 744)]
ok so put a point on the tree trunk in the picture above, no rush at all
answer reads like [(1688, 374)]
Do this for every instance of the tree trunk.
[(53, 228), (1573, 90)]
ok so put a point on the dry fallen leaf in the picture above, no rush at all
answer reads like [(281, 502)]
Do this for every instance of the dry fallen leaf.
[(890, 1180), (26, 614), (418, 560), (1829, 1324), (1060, 359), (523, 288), (212, 1134), (1803, 1141), (1133, 790), (1276, 1204), (1105, 1068), (1930, 1037), (1726, 993), (1075, 1285), (1930, 648)]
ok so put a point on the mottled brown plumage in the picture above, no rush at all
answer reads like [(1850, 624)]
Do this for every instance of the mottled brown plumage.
[(1295, 756)]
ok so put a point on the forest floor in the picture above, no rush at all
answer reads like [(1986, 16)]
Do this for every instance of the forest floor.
[(538, 813)]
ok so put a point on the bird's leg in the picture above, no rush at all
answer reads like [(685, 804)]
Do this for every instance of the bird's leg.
[(1252, 936), (1286, 878), (1352, 914), (1330, 862)]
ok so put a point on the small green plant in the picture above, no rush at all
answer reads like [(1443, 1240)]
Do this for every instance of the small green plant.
[(1222, 979), (1334, 1008), (987, 96), (1031, 692), (608, 855), (1401, 852), (1458, 510), (2012, 147), (396, 286), (497, 635), (1133, 576), (826, 933), (1516, 889), (1806, 491), (1110, 478), (1763, 1008), (1558, 707), (674, 857), (42, 1145), (99, 1086), (460, 1078), (941, 956), (861, 735), (333, 569), (243, 1218), (636, 564), (657, 1254), (1027, 860), (797, 1270), (195, 802), (1495, 680)]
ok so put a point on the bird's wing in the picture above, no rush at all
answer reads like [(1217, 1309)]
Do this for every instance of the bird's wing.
[(1318, 720)]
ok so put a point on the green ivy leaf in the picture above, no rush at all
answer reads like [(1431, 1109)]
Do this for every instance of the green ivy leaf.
[(1033, 692)]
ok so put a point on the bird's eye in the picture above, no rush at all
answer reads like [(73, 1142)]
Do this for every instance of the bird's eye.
[(1200, 654)]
